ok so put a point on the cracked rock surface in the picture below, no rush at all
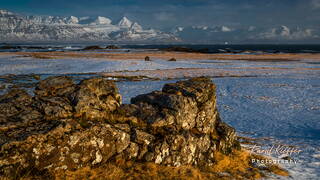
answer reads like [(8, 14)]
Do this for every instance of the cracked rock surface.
[(68, 126)]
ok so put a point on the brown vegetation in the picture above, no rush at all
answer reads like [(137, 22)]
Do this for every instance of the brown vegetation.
[(237, 166)]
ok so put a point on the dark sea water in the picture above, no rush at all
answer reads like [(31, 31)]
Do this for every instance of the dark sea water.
[(247, 49), (269, 48)]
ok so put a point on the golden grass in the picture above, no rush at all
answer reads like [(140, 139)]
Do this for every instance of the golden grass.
[(237, 166), (40, 56)]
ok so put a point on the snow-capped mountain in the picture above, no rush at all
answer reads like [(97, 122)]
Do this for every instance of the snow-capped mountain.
[(284, 32), (245, 34), (14, 27), (124, 23)]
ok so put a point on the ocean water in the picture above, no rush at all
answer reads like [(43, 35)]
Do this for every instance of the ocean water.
[(216, 48)]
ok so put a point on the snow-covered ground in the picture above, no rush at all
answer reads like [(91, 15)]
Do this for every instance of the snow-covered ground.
[(283, 106), (284, 110), (26, 65)]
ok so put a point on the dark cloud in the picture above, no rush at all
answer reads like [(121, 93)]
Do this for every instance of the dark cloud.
[(166, 14), (180, 12)]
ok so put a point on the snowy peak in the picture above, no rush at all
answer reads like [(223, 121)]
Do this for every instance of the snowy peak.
[(72, 20), (125, 23), (102, 20), (179, 29), (136, 27), (15, 27)]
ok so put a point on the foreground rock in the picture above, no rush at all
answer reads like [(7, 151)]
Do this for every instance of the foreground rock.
[(69, 126)]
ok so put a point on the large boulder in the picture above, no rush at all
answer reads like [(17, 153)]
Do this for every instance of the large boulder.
[(182, 105), (68, 126), (66, 147), (56, 86), (96, 98), (185, 119), (19, 118), (52, 97)]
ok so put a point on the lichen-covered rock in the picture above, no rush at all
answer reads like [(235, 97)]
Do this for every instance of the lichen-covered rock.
[(13, 103), (65, 147), (185, 116), (52, 97), (19, 118), (68, 126), (203, 92), (54, 107), (95, 98), (183, 149), (182, 105), (170, 110), (60, 86)]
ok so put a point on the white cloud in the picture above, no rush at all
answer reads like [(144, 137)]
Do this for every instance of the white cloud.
[(315, 4), (251, 28), (302, 34), (283, 32)]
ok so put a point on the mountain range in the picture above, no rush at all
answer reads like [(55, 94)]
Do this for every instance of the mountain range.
[(18, 28), (250, 34), (15, 27)]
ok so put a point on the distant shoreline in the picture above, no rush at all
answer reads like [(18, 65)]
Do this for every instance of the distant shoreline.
[(164, 55)]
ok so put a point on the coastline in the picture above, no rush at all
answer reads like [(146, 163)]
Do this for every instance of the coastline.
[(164, 55)]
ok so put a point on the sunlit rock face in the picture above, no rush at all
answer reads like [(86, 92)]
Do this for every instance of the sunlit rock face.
[(68, 126)]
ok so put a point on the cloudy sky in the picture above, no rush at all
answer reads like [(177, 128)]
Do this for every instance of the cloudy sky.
[(302, 15)]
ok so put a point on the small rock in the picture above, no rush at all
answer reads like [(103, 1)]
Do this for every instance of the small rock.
[(112, 47), (147, 58), (89, 48)]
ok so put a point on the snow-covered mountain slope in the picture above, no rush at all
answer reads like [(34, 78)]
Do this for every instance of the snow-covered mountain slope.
[(14, 27), (222, 34)]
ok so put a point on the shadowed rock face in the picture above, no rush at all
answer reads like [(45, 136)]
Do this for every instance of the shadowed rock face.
[(68, 126)]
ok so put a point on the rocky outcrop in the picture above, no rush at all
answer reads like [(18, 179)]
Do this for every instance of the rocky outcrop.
[(69, 126)]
